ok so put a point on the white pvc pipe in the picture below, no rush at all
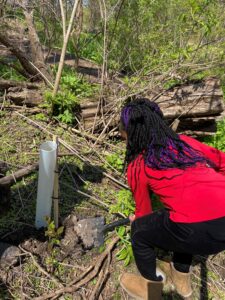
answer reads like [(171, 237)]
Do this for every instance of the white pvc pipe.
[(47, 163)]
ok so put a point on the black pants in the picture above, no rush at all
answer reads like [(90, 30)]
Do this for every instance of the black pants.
[(184, 239)]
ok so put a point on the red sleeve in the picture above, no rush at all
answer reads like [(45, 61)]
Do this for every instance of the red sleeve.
[(137, 181), (215, 155)]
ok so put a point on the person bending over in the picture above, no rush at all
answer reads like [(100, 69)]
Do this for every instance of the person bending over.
[(189, 178)]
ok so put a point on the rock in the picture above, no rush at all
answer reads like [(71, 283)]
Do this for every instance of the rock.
[(9, 255)]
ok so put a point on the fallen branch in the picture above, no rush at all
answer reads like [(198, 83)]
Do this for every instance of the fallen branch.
[(28, 110), (11, 179)]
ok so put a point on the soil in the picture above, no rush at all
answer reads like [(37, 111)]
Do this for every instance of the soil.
[(66, 258)]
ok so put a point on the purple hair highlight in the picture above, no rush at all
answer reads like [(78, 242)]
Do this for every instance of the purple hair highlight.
[(172, 152), (125, 115), (155, 108)]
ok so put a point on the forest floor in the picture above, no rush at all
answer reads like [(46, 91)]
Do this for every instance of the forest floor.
[(43, 269)]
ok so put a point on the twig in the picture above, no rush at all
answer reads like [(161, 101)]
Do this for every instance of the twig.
[(202, 280), (105, 128), (98, 201), (104, 62), (43, 76), (175, 124), (18, 190)]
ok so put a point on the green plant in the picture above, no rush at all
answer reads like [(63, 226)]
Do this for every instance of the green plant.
[(115, 161), (89, 46), (66, 102), (41, 117), (217, 140), (171, 83), (125, 203), (126, 252), (7, 72), (53, 234)]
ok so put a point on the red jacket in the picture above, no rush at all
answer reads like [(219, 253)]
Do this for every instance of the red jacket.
[(192, 195)]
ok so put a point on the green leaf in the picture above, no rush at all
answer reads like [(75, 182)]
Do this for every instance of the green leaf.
[(60, 230), (122, 254), (127, 260), (121, 231)]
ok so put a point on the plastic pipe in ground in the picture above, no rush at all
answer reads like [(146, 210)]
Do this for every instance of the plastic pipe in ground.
[(47, 164)]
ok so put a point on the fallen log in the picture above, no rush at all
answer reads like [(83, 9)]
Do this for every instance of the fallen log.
[(91, 112), (11, 179), (197, 134), (22, 93), (6, 84), (204, 124), (99, 123), (197, 105), (27, 97)]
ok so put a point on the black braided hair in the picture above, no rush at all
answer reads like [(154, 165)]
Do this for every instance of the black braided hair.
[(148, 134)]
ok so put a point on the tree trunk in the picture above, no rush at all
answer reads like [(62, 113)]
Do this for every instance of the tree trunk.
[(65, 42), (36, 50), (95, 15), (75, 35), (22, 57)]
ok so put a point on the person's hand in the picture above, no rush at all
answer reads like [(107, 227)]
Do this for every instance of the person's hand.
[(132, 218)]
